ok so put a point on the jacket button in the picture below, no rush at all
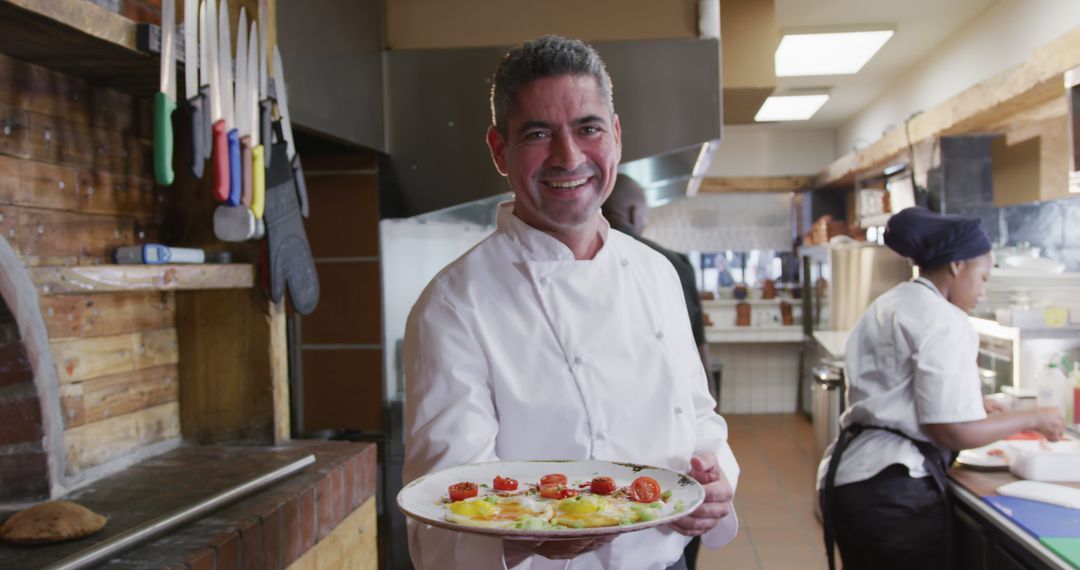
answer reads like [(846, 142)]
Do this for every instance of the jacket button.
[(625, 262), (543, 280), (578, 360), (659, 335)]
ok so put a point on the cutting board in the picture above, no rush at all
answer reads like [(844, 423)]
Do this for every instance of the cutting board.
[(1039, 519), (1067, 548)]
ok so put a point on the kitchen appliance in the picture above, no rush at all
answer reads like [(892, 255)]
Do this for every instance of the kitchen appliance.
[(1013, 355), (827, 399)]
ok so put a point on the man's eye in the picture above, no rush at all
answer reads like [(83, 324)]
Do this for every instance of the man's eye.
[(590, 130), (536, 135)]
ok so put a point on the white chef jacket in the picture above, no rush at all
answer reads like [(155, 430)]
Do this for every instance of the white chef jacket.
[(910, 360), (518, 351)]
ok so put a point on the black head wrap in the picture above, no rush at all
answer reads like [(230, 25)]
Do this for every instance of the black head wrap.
[(932, 239)]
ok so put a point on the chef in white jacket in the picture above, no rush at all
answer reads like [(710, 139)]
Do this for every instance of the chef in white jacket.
[(557, 337)]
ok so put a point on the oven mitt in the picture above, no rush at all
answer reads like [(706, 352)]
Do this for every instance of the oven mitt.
[(290, 255)]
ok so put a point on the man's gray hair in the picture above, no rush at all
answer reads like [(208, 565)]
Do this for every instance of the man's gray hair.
[(546, 56)]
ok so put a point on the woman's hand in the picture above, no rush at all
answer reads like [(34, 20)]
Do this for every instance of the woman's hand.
[(1049, 423), (718, 497)]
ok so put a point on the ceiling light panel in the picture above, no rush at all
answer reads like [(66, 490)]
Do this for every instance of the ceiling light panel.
[(790, 107), (834, 53)]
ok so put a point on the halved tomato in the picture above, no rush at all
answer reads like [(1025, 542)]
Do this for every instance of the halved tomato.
[(645, 490), (602, 486), (463, 490), (556, 478), (556, 491), (505, 483)]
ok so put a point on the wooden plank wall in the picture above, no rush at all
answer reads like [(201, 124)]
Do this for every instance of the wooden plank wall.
[(76, 182)]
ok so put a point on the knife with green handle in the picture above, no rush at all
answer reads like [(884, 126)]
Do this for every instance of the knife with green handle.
[(165, 101)]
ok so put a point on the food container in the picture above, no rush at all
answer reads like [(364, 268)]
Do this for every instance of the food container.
[(742, 315), (1040, 460)]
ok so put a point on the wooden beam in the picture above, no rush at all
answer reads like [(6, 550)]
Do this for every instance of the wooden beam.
[(112, 278), (108, 396), (85, 358), (79, 316), (730, 184), (95, 443), (981, 108)]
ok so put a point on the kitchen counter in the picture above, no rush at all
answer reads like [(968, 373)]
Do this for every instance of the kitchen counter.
[(833, 342), (1002, 525)]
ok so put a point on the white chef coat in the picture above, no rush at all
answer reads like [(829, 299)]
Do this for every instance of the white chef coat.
[(910, 360), (518, 351)]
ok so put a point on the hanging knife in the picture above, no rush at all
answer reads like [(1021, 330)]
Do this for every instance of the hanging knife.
[(228, 104), (220, 152), (191, 85), (204, 80), (286, 129), (266, 106), (243, 111), (165, 102), (258, 170)]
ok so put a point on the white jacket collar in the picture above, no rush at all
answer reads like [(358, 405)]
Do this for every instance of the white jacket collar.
[(540, 245)]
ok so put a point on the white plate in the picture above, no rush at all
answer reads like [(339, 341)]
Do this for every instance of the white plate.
[(423, 498), (980, 457)]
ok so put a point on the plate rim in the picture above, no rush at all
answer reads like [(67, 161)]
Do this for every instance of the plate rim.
[(546, 534)]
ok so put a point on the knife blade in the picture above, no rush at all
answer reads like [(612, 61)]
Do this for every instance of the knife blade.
[(286, 129), (204, 79), (191, 85), (256, 77), (228, 102), (243, 111), (165, 101), (266, 106), (220, 152)]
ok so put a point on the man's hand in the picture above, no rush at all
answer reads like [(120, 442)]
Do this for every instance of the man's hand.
[(718, 496), (514, 551)]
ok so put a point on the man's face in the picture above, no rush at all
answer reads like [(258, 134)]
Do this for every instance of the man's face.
[(560, 153)]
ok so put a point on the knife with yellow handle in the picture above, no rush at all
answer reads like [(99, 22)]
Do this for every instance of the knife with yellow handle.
[(165, 101)]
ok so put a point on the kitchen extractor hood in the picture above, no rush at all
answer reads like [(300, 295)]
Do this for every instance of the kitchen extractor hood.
[(667, 94)]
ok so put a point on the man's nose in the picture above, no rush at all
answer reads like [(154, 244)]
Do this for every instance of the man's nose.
[(565, 152)]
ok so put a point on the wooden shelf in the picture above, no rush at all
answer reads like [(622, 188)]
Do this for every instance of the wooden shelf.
[(715, 303), (80, 38), (790, 334), (112, 278), (989, 106)]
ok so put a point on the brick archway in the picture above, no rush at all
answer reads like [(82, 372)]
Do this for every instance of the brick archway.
[(31, 432)]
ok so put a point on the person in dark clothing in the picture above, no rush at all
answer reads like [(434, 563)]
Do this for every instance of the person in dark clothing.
[(627, 211)]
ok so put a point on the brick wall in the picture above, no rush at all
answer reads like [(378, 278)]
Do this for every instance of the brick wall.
[(23, 462)]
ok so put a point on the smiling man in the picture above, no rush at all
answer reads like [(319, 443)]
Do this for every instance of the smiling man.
[(557, 337)]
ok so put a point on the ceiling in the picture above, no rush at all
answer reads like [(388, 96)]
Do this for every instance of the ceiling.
[(921, 25)]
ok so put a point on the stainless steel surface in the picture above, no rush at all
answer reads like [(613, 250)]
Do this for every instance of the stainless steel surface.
[(105, 550), (826, 398), (1009, 528), (667, 94)]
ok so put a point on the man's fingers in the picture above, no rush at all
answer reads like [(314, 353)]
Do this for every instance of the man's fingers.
[(711, 511), (704, 468), (718, 492)]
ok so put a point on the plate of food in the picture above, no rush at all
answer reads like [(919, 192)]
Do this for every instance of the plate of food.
[(550, 499), (991, 457)]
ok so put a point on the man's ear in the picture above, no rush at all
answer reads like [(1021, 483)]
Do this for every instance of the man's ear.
[(631, 215), (498, 147)]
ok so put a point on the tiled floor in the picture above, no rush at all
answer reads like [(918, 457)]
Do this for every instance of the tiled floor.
[(774, 499)]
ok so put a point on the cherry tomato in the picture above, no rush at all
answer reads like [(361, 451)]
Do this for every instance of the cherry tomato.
[(645, 490), (557, 478), (463, 490), (602, 486), (505, 483), (556, 491)]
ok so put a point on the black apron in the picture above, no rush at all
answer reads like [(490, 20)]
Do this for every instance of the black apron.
[(936, 461)]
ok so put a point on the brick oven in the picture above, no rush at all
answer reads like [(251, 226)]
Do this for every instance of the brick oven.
[(140, 390)]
